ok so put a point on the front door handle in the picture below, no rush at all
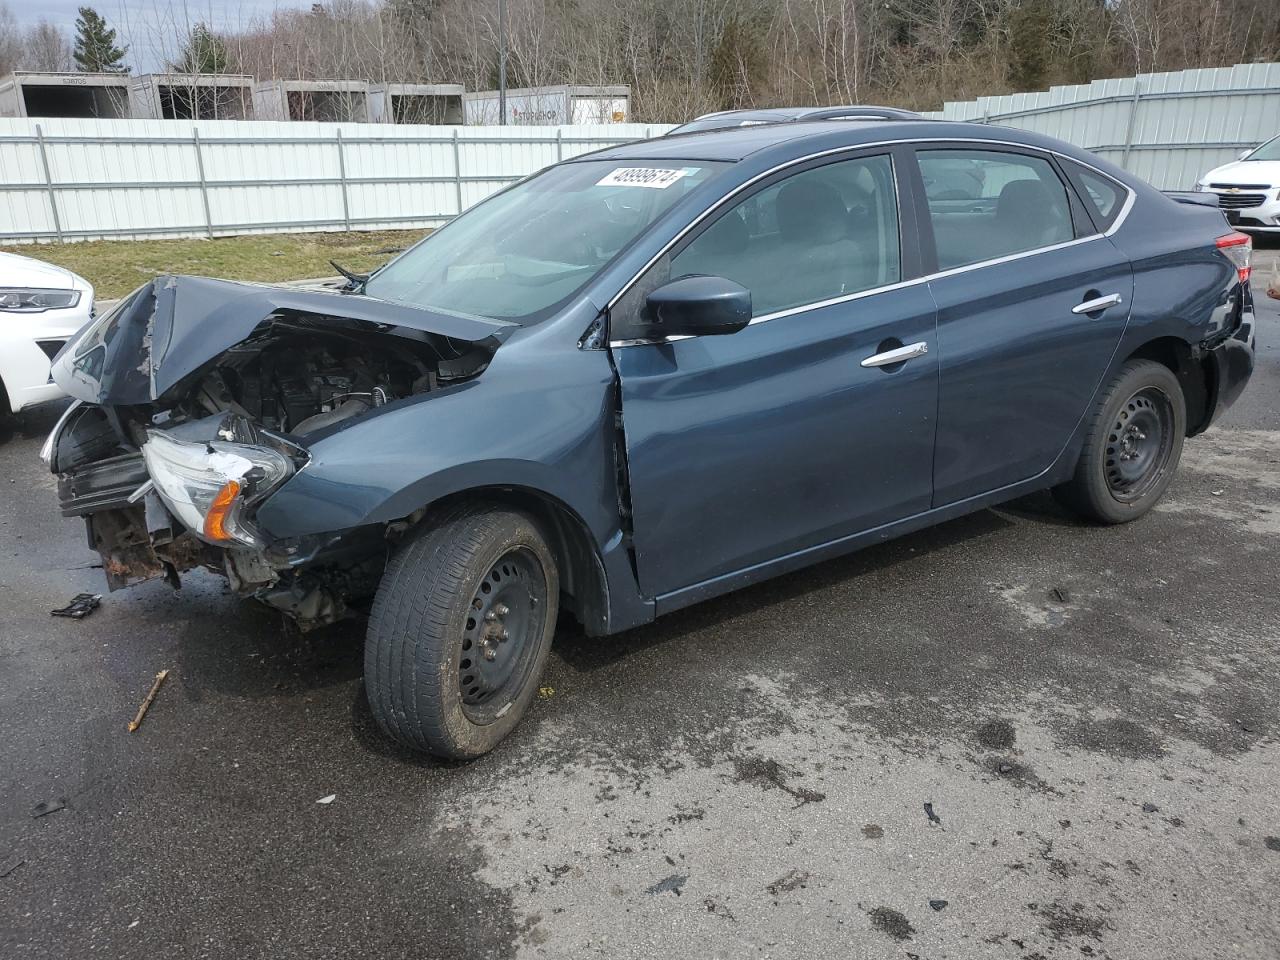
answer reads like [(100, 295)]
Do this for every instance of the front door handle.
[(1098, 304), (897, 355)]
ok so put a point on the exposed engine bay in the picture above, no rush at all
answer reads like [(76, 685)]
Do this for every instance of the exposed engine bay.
[(302, 381), (168, 474)]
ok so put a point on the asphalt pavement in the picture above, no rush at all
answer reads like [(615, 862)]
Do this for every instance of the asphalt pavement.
[(1011, 736)]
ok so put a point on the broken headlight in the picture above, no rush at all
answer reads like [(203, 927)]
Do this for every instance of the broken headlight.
[(209, 486)]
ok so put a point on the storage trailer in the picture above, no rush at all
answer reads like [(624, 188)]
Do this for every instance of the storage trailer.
[(550, 106), (437, 103), (326, 100), (91, 95), (192, 96)]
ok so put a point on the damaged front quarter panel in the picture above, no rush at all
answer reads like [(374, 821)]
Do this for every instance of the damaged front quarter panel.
[(187, 377)]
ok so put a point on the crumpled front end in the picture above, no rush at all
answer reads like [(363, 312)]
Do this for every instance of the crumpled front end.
[(193, 409)]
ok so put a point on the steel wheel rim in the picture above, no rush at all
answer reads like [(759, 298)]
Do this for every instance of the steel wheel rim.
[(500, 636), (1139, 444)]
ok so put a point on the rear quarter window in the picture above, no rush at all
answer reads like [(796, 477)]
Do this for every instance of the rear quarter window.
[(1102, 195)]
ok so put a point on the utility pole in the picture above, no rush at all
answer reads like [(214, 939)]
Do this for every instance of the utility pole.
[(502, 62)]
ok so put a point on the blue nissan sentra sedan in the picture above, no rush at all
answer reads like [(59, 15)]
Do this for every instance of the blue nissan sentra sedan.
[(648, 376)]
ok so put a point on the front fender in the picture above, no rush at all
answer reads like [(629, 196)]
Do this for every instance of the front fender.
[(540, 417)]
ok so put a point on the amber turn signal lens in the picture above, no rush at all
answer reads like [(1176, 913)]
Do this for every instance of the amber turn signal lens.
[(215, 521)]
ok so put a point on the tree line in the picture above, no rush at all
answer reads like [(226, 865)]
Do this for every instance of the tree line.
[(685, 57)]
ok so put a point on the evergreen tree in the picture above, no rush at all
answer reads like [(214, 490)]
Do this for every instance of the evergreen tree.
[(204, 52), (96, 50)]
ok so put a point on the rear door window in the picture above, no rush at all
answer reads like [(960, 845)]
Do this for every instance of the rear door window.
[(987, 204)]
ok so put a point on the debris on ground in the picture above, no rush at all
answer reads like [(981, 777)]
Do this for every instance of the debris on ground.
[(1060, 595), (719, 909), (938, 904), (546, 693), (1271, 843), (768, 774), (892, 922), (873, 831), (46, 807), (81, 605), (136, 722), (1149, 807), (671, 884), (328, 800), (933, 817), (793, 879), (8, 866)]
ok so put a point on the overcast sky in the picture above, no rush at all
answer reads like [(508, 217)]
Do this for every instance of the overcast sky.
[(150, 26)]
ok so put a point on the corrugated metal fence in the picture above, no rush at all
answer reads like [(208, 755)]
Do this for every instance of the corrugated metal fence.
[(83, 179), (1168, 128), (79, 179)]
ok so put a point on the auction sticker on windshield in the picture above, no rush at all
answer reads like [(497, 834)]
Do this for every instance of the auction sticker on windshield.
[(644, 177)]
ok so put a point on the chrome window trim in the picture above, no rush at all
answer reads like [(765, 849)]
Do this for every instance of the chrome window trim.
[(1131, 198)]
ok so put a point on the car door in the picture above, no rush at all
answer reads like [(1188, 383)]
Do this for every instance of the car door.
[(790, 432), (1019, 263)]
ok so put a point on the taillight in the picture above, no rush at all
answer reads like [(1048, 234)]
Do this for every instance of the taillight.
[(1238, 248)]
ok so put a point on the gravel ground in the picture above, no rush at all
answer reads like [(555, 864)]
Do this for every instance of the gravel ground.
[(1011, 736)]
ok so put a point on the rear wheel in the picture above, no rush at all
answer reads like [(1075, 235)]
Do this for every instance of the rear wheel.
[(460, 632), (1131, 447)]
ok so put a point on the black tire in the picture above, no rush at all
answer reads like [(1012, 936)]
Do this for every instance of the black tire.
[(1131, 447), (480, 580)]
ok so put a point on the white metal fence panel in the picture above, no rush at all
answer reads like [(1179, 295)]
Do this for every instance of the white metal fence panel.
[(85, 179), (1168, 128)]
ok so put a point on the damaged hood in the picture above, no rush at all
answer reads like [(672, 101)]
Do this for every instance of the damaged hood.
[(172, 326)]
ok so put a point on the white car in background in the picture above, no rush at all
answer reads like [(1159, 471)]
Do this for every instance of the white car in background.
[(41, 308), (1248, 189)]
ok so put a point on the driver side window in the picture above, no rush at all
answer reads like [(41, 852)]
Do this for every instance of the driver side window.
[(817, 235)]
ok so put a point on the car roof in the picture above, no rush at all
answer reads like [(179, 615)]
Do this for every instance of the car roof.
[(805, 136), (732, 118)]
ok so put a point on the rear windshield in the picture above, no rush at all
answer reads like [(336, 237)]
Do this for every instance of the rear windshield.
[(524, 251)]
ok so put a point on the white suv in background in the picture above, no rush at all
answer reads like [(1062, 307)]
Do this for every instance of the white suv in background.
[(41, 307), (1248, 189)]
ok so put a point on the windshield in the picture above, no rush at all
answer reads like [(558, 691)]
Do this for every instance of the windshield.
[(529, 248), (1268, 151)]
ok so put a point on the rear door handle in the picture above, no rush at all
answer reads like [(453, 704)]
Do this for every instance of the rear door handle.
[(897, 355), (1098, 304)]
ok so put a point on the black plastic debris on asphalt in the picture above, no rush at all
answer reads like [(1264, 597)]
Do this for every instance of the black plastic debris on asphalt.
[(933, 817), (8, 866), (938, 904), (81, 605), (46, 807)]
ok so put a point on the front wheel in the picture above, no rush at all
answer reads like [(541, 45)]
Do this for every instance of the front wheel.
[(460, 631), (1131, 446)]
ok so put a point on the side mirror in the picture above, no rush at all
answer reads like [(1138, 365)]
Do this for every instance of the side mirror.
[(697, 306)]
